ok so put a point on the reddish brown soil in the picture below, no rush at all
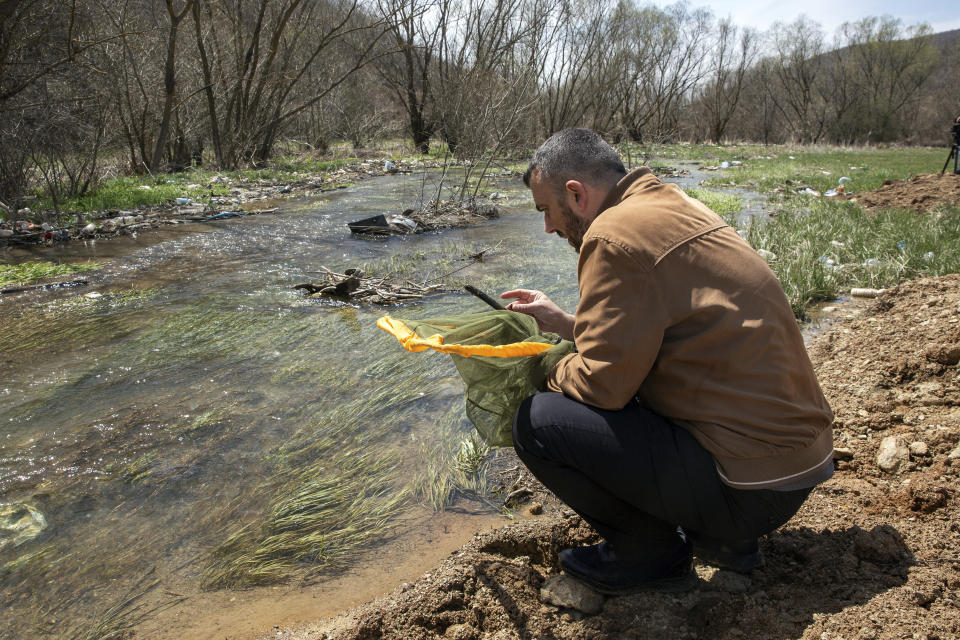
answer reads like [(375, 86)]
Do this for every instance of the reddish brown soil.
[(870, 555), (921, 192)]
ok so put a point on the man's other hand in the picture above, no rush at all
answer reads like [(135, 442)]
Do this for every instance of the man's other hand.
[(545, 311)]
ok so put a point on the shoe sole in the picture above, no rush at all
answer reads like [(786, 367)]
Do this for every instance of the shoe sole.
[(743, 564), (673, 584)]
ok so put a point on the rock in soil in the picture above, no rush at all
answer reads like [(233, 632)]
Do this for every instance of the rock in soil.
[(893, 453), (564, 591)]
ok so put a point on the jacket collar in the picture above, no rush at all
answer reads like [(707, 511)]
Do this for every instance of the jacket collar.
[(628, 185)]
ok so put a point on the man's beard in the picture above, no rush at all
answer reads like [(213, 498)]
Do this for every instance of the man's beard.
[(574, 227)]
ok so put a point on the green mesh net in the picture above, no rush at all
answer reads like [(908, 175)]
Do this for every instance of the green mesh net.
[(509, 361)]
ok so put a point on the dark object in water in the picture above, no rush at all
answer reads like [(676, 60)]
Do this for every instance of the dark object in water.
[(480, 294), (38, 287), (377, 225)]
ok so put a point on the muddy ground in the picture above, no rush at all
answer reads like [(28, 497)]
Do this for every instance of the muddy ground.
[(872, 554), (921, 192)]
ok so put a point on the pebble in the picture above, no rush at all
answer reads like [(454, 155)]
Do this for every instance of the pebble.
[(842, 453), (564, 591), (955, 454), (893, 452), (728, 581), (918, 448), (535, 509)]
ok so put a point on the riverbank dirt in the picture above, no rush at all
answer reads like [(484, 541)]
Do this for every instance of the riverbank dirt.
[(873, 553), (921, 192)]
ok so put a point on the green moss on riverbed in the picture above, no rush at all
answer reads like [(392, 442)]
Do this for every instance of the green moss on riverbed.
[(32, 271)]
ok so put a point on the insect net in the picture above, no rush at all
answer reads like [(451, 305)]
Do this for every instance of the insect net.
[(501, 356)]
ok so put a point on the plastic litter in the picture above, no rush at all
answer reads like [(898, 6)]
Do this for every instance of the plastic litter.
[(902, 245), (724, 165), (837, 244), (389, 167), (871, 263), (184, 200), (90, 228), (402, 221), (736, 163), (928, 256), (865, 293), (827, 262), (743, 233), (19, 523), (844, 178), (831, 193), (225, 214), (769, 256), (807, 191)]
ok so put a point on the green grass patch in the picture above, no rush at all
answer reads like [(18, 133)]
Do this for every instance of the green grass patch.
[(32, 271), (823, 248), (787, 168), (724, 204), (126, 193)]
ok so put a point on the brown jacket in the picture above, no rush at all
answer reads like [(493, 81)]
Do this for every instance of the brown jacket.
[(678, 311)]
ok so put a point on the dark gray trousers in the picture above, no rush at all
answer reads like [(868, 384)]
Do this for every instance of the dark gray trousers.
[(635, 477)]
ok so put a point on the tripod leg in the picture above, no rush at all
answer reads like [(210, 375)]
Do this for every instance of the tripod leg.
[(950, 155)]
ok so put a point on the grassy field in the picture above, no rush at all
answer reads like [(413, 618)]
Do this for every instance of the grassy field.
[(770, 168), (822, 247)]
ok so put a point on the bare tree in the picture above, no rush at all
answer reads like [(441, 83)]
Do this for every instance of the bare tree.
[(414, 29), (731, 59), (666, 65), (258, 58), (888, 66), (798, 63)]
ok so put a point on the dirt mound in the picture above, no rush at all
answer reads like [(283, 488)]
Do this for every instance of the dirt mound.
[(921, 192), (872, 554)]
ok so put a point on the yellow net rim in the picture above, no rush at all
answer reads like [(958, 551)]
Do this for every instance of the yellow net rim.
[(412, 342)]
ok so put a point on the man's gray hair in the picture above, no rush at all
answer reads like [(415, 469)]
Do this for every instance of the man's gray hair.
[(576, 154)]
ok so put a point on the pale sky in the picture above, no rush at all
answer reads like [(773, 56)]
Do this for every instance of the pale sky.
[(941, 15)]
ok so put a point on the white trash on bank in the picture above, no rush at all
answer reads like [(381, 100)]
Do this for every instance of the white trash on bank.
[(858, 292), (769, 256)]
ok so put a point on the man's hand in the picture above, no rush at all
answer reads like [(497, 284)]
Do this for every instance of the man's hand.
[(545, 311)]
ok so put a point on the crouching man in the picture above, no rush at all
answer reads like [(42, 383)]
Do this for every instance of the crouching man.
[(689, 421)]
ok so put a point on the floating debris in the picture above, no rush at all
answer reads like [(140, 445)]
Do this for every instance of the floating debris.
[(438, 214), (355, 286)]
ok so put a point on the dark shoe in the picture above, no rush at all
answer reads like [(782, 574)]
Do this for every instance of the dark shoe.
[(742, 556), (598, 567)]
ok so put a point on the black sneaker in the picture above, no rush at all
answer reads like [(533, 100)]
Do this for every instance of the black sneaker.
[(742, 556), (598, 567)]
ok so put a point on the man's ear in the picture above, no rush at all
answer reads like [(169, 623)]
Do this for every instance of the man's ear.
[(576, 194)]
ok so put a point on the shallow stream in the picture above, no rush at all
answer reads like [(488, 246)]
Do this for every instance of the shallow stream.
[(151, 424)]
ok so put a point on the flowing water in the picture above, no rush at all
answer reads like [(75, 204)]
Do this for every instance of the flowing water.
[(149, 425), (169, 430)]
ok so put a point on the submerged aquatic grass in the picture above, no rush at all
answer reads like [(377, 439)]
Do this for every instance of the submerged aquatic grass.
[(335, 488), (454, 464), (825, 248), (35, 270)]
